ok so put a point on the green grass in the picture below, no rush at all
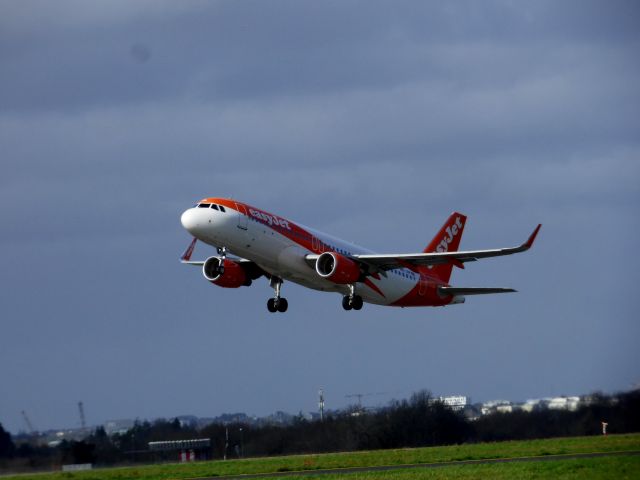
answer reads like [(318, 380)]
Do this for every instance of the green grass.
[(565, 468), (618, 468)]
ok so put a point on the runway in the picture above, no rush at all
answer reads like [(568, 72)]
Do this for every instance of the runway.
[(385, 468)]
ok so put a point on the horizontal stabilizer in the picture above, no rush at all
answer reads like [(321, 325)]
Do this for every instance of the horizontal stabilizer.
[(472, 291)]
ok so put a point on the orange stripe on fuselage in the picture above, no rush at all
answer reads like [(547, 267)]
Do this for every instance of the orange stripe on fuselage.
[(280, 224)]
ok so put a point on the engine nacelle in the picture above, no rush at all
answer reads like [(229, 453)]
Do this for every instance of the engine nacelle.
[(232, 275), (337, 268)]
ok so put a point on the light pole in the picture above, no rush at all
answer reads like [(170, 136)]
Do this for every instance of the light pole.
[(241, 444), (226, 441)]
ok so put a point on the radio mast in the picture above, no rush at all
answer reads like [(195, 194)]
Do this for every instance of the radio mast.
[(321, 404)]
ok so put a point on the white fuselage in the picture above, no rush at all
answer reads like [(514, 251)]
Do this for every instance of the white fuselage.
[(279, 247)]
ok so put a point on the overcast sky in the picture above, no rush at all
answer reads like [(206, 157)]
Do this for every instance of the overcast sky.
[(369, 120)]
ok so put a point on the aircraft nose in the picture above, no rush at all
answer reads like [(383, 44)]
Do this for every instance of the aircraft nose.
[(189, 220)]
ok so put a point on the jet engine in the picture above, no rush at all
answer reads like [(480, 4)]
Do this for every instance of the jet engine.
[(227, 273), (337, 268)]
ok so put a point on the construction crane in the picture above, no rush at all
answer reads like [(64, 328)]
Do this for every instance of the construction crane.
[(359, 396), (83, 422), (30, 428)]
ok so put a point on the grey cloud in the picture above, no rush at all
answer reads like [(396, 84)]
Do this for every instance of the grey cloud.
[(255, 50), (369, 120)]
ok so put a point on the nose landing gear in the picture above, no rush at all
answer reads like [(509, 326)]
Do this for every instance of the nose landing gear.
[(277, 303)]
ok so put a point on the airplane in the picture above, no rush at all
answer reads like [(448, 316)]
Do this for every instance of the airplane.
[(252, 243)]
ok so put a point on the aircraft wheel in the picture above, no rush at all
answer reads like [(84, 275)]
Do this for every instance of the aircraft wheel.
[(346, 304), (283, 305), (271, 305), (357, 302)]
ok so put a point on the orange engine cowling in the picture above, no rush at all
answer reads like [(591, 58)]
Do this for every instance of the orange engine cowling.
[(337, 268), (232, 275)]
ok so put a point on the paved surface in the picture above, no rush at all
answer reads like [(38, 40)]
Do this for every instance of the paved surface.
[(385, 468)]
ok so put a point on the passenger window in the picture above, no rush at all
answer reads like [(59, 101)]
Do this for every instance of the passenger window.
[(204, 205), (222, 209)]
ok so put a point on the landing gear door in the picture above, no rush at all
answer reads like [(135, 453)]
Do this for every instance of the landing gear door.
[(243, 218)]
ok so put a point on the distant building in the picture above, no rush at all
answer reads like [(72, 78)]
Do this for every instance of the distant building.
[(492, 407), (504, 408), (555, 403), (532, 405), (118, 427), (182, 450), (455, 402), (564, 403)]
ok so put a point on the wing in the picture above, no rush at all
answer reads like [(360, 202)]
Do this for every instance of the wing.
[(383, 262), (388, 262), (185, 258)]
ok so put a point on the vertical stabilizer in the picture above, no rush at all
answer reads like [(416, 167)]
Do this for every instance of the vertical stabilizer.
[(446, 240)]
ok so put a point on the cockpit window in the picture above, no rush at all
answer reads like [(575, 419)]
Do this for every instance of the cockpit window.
[(214, 206), (203, 205), (222, 208)]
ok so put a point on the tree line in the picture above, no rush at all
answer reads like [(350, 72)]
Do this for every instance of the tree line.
[(415, 422)]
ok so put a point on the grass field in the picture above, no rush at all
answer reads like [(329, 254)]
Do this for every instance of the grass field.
[(592, 468), (610, 467)]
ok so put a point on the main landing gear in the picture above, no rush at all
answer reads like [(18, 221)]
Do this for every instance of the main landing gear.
[(277, 303), (222, 251), (352, 301)]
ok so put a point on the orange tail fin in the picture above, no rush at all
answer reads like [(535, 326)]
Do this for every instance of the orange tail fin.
[(446, 240)]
